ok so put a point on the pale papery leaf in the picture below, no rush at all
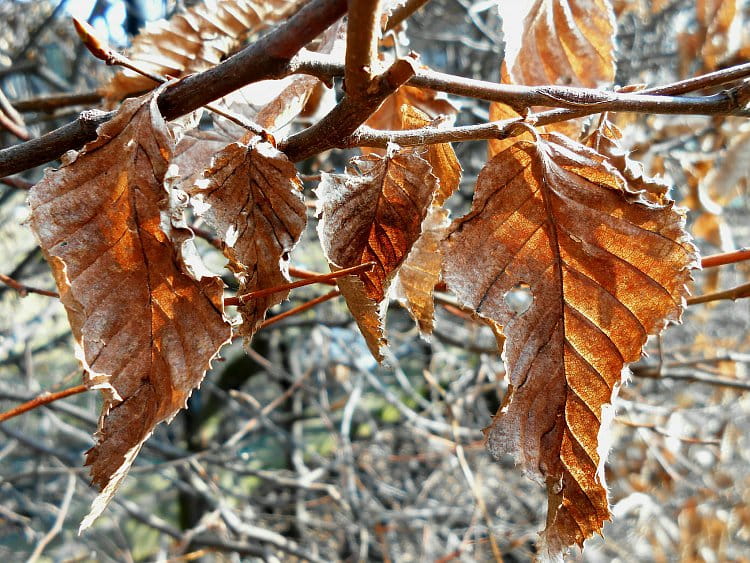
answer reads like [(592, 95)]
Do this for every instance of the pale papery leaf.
[(374, 213), (145, 328), (603, 269), (273, 104), (420, 273), (195, 40), (252, 196)]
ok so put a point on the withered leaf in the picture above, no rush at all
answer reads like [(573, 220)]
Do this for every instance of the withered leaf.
[(253, 198), (388, 115), (442, 157), (193, 154), (605, 139), (194, 40), (373, 213), (565, 42), (562, 42), (420, 273), (604, 268), (145, 328)]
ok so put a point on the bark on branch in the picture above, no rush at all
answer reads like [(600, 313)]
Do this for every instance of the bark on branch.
[(268, 57)]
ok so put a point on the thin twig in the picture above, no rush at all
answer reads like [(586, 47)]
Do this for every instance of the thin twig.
[(725, 258), (50, 103), (43, 399), (300, 308), (24, 290), (735, 293), (57, 526), (233, 301)]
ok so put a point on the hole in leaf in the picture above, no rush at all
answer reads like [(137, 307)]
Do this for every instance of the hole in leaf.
[(519, 299)]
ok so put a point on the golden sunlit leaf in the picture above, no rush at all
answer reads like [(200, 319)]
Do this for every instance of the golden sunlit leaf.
[(374, 213), (145, 327), (442, 157), (254, 200), (562, 42), (420, 273), (565, 42), (388, 116), (719, 30), (579, 270)]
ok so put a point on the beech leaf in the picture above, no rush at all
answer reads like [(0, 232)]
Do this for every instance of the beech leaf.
[(145, 328), (253, 197), (420, 273), (373, 213), (563, 42), (566, 42), (194, 40), (441, 156), (388, 116), (601, 268), (605, 139)]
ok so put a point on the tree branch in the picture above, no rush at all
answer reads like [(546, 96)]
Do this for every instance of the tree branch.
[(362, 30), (264, 59), (268, 57), (333, 129), (43, 399)]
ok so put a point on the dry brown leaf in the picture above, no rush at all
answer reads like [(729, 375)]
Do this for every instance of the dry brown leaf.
[(374, 213), (145, 328), (273, 104), (388, 115), (253, 198), (563, 42), (727, 178), (420, 272), (194, 40), (605, 139), (442, 157), (604, 268), (193, 155)]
